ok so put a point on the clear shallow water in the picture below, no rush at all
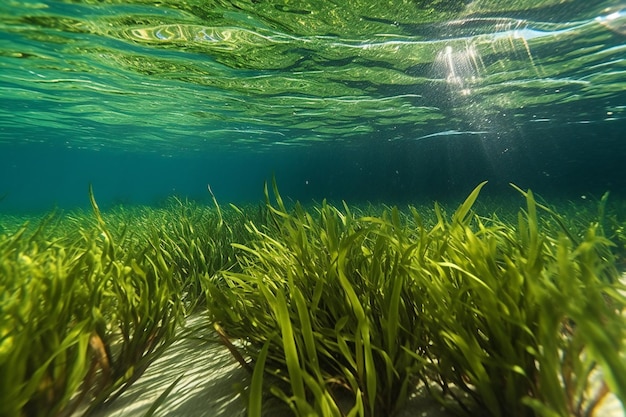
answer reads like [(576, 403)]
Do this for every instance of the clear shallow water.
[(360, 100)]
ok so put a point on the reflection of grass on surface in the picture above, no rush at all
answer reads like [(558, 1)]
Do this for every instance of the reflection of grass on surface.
[(341, 313)]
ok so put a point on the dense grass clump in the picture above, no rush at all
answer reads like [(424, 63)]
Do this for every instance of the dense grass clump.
[(346, 314), (334, 310), (89, 301)]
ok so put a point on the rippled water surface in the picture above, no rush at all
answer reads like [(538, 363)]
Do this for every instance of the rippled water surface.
[(463, 85)]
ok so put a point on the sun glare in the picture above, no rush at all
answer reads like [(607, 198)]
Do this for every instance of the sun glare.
[(461, 67)]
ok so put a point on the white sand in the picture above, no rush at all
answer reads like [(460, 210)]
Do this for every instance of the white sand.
[(210, 386), (213, 382)]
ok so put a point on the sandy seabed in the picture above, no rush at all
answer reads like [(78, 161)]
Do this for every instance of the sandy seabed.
[(213, 384)]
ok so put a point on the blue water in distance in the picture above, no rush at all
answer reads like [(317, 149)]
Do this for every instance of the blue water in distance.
[(570, 165)]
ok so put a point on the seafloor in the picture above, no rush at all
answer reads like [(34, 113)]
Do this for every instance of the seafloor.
[(213, 385)]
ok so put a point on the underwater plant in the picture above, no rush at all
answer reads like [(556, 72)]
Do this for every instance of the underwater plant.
[(323, 296), (82, 316), (518, 316), (345, 315), (334, 310), (42, 364)]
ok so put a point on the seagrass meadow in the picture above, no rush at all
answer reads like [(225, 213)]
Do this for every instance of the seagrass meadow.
[(491, 310), (333, 208)]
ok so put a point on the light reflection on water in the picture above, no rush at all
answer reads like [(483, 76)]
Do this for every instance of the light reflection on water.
[(254, 77)]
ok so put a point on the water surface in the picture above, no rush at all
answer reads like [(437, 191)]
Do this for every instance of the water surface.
[(360, 100)]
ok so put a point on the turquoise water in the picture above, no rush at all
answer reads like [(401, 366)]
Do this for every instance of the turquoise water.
[(390, 101)]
